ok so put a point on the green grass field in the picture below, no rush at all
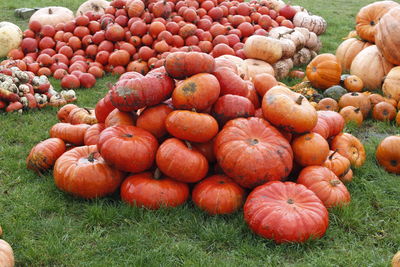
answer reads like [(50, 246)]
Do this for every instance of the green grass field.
[(49, 228)]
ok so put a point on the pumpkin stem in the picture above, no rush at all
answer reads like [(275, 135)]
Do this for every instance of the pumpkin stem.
[(393, 162), (194, 110), (331, 156), (290, 201), (188, 144), (335, 182), (91, 157), (88, 110), (354, 94), (157, 174), (357, 110), (50, 11), (299, 100)]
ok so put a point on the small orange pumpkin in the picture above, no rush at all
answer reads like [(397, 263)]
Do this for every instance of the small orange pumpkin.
[(310, 149), (350, 147), (351, 113), (357, 100), (388, 154), (324, 71), (328, 103), (353, 83), (383, 111)]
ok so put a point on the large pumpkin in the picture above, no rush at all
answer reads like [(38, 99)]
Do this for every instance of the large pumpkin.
[(43, 156), (388, 154), (350, 147), (348, 50), (368, 61), (288, 110), (324, 71), (10, 37), (369, 17), (230, 107), (285, 212), (82, 172), (180, 65), (264, 48), (218, 194), (197, 92), (52, 15), (252, 152), (6, 254), (128, 148), (391, 84), (150, 90), (153, 191)]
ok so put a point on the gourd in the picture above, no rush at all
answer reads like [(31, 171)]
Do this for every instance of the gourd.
[(10, 37), (313, 23)]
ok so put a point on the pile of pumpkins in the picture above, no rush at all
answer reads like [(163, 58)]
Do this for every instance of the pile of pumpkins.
[(132, 35), (154, 135)]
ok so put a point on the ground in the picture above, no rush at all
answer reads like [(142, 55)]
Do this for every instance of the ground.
[(49, 228)]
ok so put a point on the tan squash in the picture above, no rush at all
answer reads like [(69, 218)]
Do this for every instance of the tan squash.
[(95, 6), (348, 50), (251, 67), (294, 35), (303, 56), (313, 23), (263, 48), (52, 15), (371, 67), (391, 85), (10, 37)]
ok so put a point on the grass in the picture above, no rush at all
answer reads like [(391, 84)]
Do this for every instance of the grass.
[(49, 228)]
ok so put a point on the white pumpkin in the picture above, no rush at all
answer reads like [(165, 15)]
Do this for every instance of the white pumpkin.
[(283, 32), (6, 254), (10, 37), (313, 23), (95, 6), (264, 48), (52, 15)]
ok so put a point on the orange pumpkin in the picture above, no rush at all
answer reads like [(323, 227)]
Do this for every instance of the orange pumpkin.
[(328, 103), (398, 118), (357, 100), (350, 113), (348, 50), (337, 163), (152, 119), (310, 149), (369, 16), (348, 177), (324, 71), (43, 155), (375, 99), (350, 147), (353, 83), (383, 111), (69, 133), (63, 113), (388, 154), (391, 84), (288, 110), (117, 117)]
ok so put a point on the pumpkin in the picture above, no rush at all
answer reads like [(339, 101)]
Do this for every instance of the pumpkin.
[(180, 65), (150, 90), (335, 92), (197, 92), (103, 108), (253, 152), (93, 133), (82, 172), (282, 68), (350, 147), (353, 83), (310, 149), (388, 154), (152, 191), (52, 15), (82, 115), (322, 128), (368, 61), (264, 48), (117, 117), (6, 254), (369, 16), (69, 133), (230, 107), (181, 161), (338, 164), (270, 208), (326, 185), (153, 119), (10, 37), (348, 50), (128, 148), (284, 34), (288, 110), (328, 103), (95, 6), (324, 71), (348, 177), (375, 99), (63, 112), (391, 84), (396, 259), (229, 61), (334, 121), (350, 113), (191, 126), (263, 82), (383, 111), (218, 194), (313, 23), (252, 67), (43, 155), (357, 100), (230, 82), (386, 36)]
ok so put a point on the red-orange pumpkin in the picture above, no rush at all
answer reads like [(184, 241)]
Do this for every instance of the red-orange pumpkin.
[(152, 119), (350, 147), (69, 133), (92, 134), (388, 154), (43, 155), (310, 149), (180, 65)]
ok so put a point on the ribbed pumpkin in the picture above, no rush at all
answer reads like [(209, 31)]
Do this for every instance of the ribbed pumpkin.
[(391, 85), (348, 50), (337, 163), (180, 65), (328, 103), (357, 100), (43, 155), (152, 119), (6, 254), (371, 67), (324, 71), (388, 154), (350, 147), (369, 16), (310, 149), (263, 48)]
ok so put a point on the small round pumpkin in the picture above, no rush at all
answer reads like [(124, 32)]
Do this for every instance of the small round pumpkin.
[(180, 65), (218, 194), (337, 163), (388, 154), (117, 117), (152, 119), (310, 149), (375, 99), (43, 155), (350, 113), (324, 71), (328, 103), (357, 100), (350, 147), (383, 111), (353, 83)]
